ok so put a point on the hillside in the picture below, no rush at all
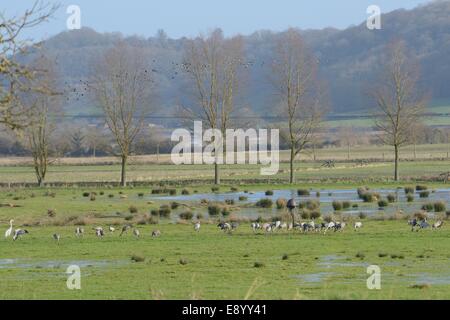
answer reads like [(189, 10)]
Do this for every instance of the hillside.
[(348, 59)]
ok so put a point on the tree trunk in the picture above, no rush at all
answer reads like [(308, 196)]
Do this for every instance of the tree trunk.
[(396, 176), (291, 173), (123, 177), (216, 174)]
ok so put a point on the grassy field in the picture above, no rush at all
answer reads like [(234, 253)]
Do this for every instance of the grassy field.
[(305, 172), (182, 264), (222, 266)]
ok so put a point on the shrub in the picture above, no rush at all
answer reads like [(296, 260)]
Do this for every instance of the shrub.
[(368, 197), (186, 215), (214, 210), (183, 262), (86, 194), (234, 189), (362, 215), (51, 213), (199, 216), (361, 191), (172, 192), (327, 219), (420, 215), (337, 205), (258, 265), (102, 193), (410, 197), (185, 192), (409, 190), (269, 193), (110, 195), (383, 203), (355, 205), (133, 209), (215, 189), (312, 204), (315, 215), (137, 258), (303, 192), (281, 203), (243, 198), (346, 204), (152, 220), (421, 188), (391, 198), (305, 214), (225, 211), (360, 255), (174, 205), (284, 257), (164, 211), (424, 194), (154, 213), (230, 202), (439, 206), (264, 203)]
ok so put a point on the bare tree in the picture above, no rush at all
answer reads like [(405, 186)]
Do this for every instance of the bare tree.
[(347, 137), (212, 64), (294, 78), (95, 139), (44, 107), (17, 77), (399, 104), (121, 86)]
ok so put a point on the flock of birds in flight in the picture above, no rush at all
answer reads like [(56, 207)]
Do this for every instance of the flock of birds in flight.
[(83, 87)]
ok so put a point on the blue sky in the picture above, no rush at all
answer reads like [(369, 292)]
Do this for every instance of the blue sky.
[(189, 17)]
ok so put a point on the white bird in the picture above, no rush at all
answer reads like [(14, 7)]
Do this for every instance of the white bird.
[(437, 224), (125, 228), (99, 232), (267, 227), (57, 237), (197, 226), (18, 233), (255, 226), (156, 233), (9, 231), (79, 231), (136, 233), (112, 229), (357, 225)]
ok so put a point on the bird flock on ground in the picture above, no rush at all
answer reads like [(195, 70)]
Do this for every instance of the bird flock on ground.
[(228, 227)]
